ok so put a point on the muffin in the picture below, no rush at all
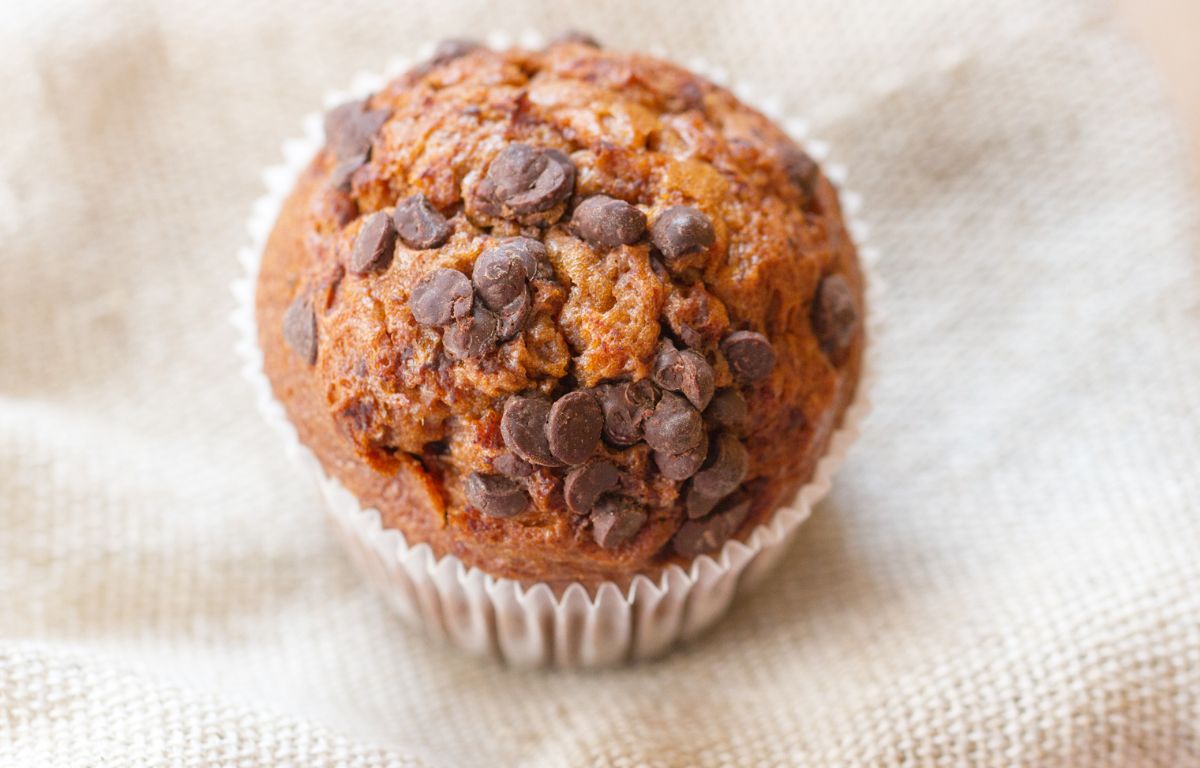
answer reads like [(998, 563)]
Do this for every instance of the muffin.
[(568, 315)]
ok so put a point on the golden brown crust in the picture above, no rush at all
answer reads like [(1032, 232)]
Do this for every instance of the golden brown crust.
[(401, 426)]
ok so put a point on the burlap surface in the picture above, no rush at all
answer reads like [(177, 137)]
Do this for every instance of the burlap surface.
[(1005, 574)]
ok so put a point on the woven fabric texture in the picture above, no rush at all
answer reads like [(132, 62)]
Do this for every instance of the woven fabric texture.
[(1005, 574)]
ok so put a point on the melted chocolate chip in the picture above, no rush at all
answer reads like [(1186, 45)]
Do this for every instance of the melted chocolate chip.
[(616, 520), (510, 320), (448, 50), (801, 170), (835, 316), (502, 272), (605, 222), (698, 505), (587, 483), (495, 496), (472, 336), (699, 536), (727, 411), (687, 372), (750, 355), (373, 248), (442, 296), (626, 406), (681, 230), (343, 173), (681, 466), (724, 469), (528, 180), (300, 329), (419, 224), (523, 427), (512, 465), (350, 128), (675, 427), (574, 427)]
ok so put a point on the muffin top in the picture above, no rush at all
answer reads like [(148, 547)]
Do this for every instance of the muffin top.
[(599, 312)]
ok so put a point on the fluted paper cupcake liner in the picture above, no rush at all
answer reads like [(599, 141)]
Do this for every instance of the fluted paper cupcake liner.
[(535, 625)]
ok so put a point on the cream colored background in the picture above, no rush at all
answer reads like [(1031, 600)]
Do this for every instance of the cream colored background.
[(1006, 573)]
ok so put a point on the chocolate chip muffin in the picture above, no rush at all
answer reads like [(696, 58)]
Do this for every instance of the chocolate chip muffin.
[(566, 314)]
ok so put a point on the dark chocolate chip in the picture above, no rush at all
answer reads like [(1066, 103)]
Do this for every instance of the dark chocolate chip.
[(587, 483), (576, 37), (472, 336), (835, 316), (698, 505), (419, 224), (675, 426), (529, 180), (681, 466), (727, 411), (374, 245), (687, 372), (351, 127), (616, 520), (605, 222), (626, 406), (495, 496), (681, 230), (448, 50), (300, 329), (501, 272), (573, 430), (724, 469), (512, 465), (441, 297), (523, 427), (343, 172), (510, 320), (750, 355), (696, 537), (801, 170)]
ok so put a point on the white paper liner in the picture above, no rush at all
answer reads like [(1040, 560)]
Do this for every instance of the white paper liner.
[(532, 626)]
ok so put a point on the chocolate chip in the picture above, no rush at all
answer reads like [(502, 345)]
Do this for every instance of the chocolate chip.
[(681, 466), (523, 427), (724, 469), (448, 50), (300, 329), (510, 320), (512, 465), (681, 230), (529, 180), (675, 426), (801, 170), (472, 336), (343, 172), (576, 37), (495, 496), (616, 520), (750, 355), (626, 406), (350, 128), (727, 411), (573, 430), (698, 505), (698, 536), (441, 297), (501, 272), (835, 316), (605, 222), (374, 245), (419, 224), (585, 484), (687, 372)]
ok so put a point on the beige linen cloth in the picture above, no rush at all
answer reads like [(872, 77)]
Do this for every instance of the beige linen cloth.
[(1008, 570)]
